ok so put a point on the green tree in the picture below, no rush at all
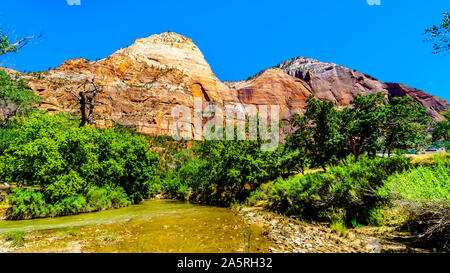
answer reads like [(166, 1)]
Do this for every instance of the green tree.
[(438, 35), (232, 169), (405, 125), (324, 122), (51, 151), (365, 122), (441, 130), (15, 96), (221, 172), (297, 147)]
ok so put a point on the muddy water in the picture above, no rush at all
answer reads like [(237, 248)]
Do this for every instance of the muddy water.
[(153, 226)]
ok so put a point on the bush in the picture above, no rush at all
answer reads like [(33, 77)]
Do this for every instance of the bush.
[(424, 193), (186, 174), (338, 223), (118, 198), (74, 169), (350, 187), (69, 205), (17, 237), (102, 198), (66, 162), (222, 172), (27, 204), (64, 186), (422, 184)]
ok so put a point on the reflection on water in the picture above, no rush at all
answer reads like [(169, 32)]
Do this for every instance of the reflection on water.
[(152, 226)]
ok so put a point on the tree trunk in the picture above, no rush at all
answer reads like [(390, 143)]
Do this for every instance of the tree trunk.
[(83, 110)]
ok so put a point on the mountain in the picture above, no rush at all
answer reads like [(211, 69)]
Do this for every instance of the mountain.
[(143, 82), (341, 84)]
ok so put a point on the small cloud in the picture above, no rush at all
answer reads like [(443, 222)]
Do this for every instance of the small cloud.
[(73, 2)]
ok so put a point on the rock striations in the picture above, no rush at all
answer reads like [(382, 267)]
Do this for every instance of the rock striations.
[(143, 82), (341, 84)]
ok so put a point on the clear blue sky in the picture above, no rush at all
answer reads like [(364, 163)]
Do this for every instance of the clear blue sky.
[(240, 38)]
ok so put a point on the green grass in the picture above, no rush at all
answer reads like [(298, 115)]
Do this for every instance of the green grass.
[(110, 237), (339, 227), (422, 184), (17, 237), (73, 232)]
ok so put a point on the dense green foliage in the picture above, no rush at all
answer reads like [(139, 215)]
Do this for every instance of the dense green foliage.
[(424, 193), (297, 147), (28, 203), (15, 96), (323, 136), (73, 167), (405, 125), (431, 184), (363, 124), (441, 130), (349, 187), (222, 172)]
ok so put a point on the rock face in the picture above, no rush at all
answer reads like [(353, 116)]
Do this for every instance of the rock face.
[(143, 82), (434, 105), (341, 84), (273, 87)]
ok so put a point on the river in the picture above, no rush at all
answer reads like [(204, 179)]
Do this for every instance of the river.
[(152, 226)]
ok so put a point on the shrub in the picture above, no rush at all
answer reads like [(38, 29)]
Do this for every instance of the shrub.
[(64, 186), (222, 172), (424, 192), (27, 204), (17, 237), (97, 199), (186, 174), (118, 198), (102, 198), (350, 187), (66, 162), (338, 223), (68, 205)]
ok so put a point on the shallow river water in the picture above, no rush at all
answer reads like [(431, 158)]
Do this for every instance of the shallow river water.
[(152, 226)]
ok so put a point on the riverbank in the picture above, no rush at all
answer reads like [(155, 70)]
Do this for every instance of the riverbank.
[(295, 236)]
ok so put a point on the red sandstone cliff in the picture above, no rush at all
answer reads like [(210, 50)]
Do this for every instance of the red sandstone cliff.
[(143, 82)]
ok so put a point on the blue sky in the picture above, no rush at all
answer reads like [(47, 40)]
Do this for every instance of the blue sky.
[(240, 38)]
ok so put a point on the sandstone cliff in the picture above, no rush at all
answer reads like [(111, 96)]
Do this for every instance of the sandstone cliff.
[(143, 82), (341, 84)]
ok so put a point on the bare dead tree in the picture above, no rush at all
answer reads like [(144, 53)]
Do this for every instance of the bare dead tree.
[(86, 98)]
